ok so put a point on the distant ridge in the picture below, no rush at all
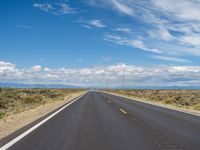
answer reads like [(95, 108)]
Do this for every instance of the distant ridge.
[(22, 85)]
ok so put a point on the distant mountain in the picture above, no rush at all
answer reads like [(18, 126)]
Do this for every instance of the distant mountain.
[(21, 85)]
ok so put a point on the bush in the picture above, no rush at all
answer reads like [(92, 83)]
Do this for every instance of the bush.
[(33, 99), (2, 103), (1, 114)]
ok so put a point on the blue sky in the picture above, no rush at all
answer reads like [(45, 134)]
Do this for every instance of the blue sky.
[(152, 42)]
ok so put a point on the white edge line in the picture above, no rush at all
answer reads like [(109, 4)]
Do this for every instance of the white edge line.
[(18, 138), (166, 107)]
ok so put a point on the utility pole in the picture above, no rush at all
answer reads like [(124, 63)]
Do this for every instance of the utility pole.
[(123, 80), (107, 83)]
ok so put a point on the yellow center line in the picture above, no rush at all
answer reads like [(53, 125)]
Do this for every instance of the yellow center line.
[(123, 111)]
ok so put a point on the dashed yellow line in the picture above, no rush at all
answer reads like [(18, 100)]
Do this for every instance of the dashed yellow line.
[(123, 111)]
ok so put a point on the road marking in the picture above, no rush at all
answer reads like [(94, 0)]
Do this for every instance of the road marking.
[(123, 111), (18, 138)]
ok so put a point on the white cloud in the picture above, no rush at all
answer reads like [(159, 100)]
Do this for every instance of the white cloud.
[(97, 75), (65, 9), (6, 65), (9, 71), (96, 23), (122, 7), (169, 58), (180, 69), (126, 30), (161, 33), (182, 17), (36, 68), (135, 43), (55, 8), (193, 40), (43, 6), (47, 69), (86, 26), (184, 9)]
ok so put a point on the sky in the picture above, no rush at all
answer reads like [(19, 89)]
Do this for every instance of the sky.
[(92, 42)]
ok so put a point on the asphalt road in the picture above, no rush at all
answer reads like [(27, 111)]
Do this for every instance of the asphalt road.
[(100, 121)]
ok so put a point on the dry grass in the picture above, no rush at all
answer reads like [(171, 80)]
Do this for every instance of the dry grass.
[(189, 99)]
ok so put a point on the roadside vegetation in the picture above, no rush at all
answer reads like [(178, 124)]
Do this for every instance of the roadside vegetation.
[(13, 100), (189, 99)]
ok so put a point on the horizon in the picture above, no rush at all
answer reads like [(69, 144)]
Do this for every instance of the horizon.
[(92, 42), (106, 86)]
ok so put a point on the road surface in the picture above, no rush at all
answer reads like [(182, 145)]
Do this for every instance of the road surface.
[(99, 121)]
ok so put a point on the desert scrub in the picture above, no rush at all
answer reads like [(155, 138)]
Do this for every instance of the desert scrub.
[(180, 98), (14, 100)]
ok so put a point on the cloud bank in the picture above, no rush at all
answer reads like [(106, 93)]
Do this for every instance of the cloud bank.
[(98, 75)]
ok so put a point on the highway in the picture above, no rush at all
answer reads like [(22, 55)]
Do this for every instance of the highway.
[(99, 121)]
